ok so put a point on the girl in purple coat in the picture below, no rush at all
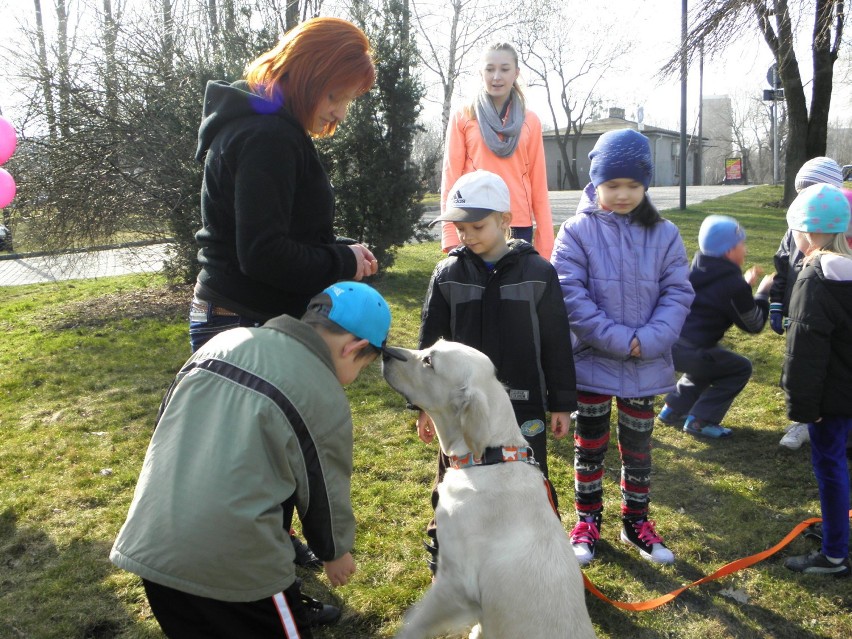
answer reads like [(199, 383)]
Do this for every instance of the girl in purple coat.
[(625, 282)]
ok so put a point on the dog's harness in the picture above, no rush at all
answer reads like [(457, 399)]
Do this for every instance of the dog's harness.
[(495, 455)]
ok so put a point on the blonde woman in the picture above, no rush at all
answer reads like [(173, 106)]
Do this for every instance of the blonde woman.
[(497, 133)]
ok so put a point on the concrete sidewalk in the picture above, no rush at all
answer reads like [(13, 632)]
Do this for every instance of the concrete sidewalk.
[(564, 203), (146, 259)]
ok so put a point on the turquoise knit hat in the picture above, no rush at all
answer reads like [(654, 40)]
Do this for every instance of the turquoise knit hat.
[(819, 208)]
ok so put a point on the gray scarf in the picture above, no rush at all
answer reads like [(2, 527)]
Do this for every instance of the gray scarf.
[(490, 124)]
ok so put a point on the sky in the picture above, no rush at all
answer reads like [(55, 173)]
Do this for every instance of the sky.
[(655, 24)]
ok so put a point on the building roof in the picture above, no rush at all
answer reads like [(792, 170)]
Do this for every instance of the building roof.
[(598, 127)]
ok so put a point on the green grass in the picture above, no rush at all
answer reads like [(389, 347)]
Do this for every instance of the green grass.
[(83, 369)]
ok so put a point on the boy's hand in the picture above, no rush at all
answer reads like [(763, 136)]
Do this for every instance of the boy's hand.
[(425, 428), (765, 284), (752, 274), (776, 317), (340, 570), (559, 424)]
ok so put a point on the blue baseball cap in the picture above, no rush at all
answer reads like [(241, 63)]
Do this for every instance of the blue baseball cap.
[(358, 309), (719, 234)]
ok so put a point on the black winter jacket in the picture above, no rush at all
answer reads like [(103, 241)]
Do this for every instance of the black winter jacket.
[(788, 262), (267, 243), (722, 298), (514, 314), (817, 375)]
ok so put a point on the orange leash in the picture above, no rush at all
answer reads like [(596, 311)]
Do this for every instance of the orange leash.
[(727, 569)]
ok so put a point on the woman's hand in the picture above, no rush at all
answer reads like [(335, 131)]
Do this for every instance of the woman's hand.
[(365, 261)]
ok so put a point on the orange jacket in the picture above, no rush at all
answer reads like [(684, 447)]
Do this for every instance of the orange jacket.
[(524, 173)]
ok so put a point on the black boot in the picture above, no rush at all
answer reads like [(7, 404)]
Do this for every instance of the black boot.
[(305, 557)]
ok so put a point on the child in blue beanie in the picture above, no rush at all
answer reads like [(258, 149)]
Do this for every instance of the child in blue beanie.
[(712, 375), (625, 283), (817, 372)]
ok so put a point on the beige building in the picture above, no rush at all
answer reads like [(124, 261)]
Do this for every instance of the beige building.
[(665, 147), (717, 131)]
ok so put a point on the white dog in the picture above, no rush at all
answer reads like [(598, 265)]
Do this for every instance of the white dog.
[(505, 562)]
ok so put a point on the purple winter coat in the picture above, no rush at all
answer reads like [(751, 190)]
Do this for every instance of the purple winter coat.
[(620, 279)]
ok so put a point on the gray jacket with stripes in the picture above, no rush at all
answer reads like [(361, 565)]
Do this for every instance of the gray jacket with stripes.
[(254, 425)]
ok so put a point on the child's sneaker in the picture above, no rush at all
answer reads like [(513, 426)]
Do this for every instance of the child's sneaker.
[(668, 416), (700, 428), (817, 563), (797, 434), (642, 534), (584, 538)]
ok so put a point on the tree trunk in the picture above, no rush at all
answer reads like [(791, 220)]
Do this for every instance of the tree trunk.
[(110, 67), (291, 14), (63, 68), (44, 74), (806, 132), (167, 51)]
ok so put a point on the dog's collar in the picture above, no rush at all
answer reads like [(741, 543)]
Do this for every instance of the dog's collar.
[(495, 455)]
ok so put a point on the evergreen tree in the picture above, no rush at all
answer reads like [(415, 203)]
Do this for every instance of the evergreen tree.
[(377, 187)]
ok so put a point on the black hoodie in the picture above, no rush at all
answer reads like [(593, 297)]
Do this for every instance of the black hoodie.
[(267, 243), (722, 298), (817, 373)]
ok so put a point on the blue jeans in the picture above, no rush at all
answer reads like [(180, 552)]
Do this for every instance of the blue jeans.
[(204, 324), (828, 457)]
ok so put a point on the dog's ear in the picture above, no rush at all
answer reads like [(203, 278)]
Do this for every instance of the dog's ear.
[(471, 406)]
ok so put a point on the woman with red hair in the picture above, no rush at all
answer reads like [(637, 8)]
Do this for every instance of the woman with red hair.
[(267, 242)]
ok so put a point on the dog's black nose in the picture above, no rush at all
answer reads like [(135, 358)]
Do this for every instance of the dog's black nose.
[(389, 353)]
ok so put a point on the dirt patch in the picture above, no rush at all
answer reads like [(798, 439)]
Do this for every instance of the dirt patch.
[(166, 302)]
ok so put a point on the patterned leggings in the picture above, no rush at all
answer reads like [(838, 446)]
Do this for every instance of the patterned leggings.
[(591, 441)]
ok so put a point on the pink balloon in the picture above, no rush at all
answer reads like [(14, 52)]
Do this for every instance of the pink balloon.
[(8, 139), (7, 188)]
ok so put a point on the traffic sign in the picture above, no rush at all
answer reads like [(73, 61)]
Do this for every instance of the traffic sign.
[(773, 78)]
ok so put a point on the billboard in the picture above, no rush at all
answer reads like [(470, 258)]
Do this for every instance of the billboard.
[(733, 170)]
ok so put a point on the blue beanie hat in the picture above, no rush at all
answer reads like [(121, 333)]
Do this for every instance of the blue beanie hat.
[(624, 153), (819, 208), (719, 234)]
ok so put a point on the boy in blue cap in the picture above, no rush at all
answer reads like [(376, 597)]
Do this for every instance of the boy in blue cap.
[(712, 375), (255, 425)]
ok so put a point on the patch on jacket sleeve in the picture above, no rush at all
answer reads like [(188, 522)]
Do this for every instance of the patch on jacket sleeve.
[(519, 395), (532, 427)]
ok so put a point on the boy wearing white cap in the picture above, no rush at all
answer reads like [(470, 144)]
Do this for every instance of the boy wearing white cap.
[(255, 425), (712, 375), (817, 372), (502, 298)]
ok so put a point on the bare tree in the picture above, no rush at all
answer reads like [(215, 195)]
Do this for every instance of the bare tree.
[(716, 23), (556, 48), (451, 32), (44, 72)]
